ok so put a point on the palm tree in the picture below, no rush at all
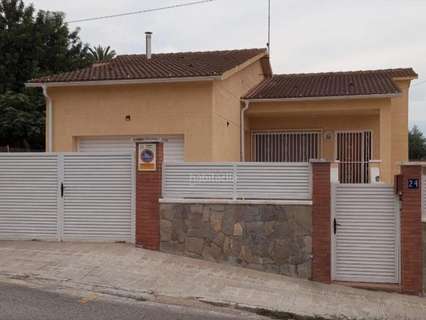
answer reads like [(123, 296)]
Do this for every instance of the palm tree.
[(101, 54)]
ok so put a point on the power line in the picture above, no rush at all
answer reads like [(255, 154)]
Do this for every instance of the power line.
[(187, 4)]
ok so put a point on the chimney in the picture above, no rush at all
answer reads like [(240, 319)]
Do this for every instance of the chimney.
[(148, 45)]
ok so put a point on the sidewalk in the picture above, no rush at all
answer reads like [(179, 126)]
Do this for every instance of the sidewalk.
[(123, 268)]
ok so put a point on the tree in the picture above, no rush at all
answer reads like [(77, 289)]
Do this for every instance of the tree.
[(32, 44), (417, 144), (21, 120), (101, 54)]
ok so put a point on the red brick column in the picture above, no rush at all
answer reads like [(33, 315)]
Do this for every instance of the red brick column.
[(411, 232), (321, 221), (148, 193)]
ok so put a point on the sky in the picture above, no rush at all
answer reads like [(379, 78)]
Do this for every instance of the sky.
[(307, 35)]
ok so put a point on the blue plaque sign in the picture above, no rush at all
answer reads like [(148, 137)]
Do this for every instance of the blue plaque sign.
[(413, 183)]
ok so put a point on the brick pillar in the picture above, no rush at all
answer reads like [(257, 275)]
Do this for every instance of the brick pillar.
[(411, 231), (148, 193), (321, 216)]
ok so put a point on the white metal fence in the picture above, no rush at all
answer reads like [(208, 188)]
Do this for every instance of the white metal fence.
[(244, 180), (71, 196)]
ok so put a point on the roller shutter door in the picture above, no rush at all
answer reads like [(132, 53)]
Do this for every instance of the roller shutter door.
[(173, 146)]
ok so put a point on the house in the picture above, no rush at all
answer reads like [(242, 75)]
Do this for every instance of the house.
[(353, 117), (196, 101), (234, 165), (189, 99)]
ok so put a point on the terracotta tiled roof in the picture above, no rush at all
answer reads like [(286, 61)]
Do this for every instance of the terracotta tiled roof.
[(165, 65), (331, 84)]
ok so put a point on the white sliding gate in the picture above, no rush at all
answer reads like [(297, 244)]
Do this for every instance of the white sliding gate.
[(365, 233), (71, 196)]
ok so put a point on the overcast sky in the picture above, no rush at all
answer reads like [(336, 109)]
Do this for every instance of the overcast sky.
[(307, 35)]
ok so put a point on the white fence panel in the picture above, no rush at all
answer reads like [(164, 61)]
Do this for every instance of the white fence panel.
[(287, 181), (28, 196), (98, 197), (190, 180), (273, 181), (366, 242)]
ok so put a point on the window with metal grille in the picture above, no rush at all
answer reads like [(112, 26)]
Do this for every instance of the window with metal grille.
[(286, 146)]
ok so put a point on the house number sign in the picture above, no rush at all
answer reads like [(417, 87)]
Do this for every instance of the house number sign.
[(147, 157), (413, 183)]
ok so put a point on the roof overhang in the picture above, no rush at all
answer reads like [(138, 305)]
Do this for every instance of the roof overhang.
[(231, 72), (120, 82), (224, 76), (404, 78), (370, 96)]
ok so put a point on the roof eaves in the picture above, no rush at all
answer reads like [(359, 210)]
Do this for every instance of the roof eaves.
[(405, 78), (120, 82), (296, 99)]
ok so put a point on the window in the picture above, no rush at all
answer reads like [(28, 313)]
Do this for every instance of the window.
[(286, 146)]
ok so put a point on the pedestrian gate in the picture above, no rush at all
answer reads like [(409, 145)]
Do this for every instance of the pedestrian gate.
[(365, 233), (71, 196)]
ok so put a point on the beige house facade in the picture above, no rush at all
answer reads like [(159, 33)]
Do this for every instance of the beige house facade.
[(227, 106)]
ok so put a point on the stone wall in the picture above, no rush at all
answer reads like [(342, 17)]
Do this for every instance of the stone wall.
[(271, 238)]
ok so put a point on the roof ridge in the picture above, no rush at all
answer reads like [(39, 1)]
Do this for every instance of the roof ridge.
[(348, 72), (192, 52)]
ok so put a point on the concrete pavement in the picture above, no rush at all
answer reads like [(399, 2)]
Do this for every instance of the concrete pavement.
[(121, 269)]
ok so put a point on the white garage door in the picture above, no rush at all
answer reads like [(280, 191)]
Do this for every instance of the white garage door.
[(173, 146)]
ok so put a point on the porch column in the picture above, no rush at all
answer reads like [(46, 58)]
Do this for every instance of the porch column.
[(321, 221), (148, 193), (386, 144), (411, 230)]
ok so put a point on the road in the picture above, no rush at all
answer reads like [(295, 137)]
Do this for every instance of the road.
[(24, 303)]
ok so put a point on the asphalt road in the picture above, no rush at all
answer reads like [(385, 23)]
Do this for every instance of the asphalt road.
[(23, 303)]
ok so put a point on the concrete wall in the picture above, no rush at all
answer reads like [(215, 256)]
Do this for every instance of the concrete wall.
[(271, 238), (386, 117), (226, 111), (399, 125), (325, 123), (206, 113), (184, 108)]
